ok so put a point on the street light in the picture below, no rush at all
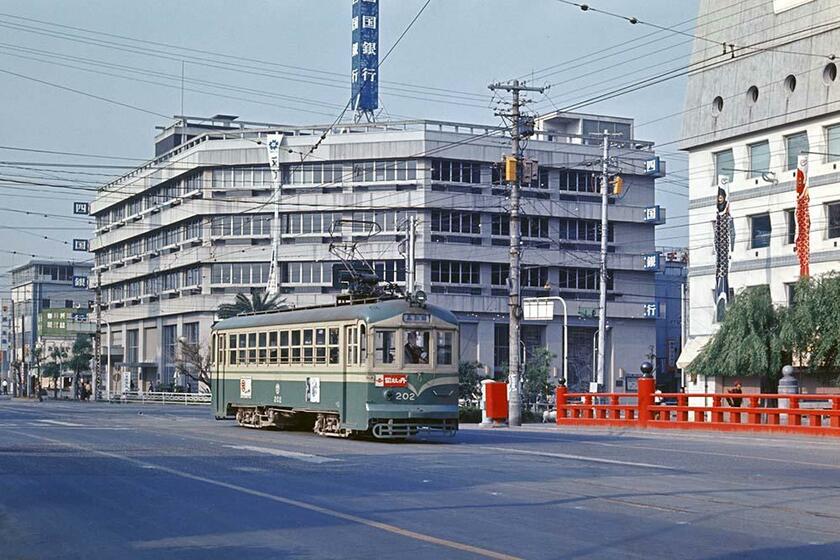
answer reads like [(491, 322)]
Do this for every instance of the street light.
[(537, 312)]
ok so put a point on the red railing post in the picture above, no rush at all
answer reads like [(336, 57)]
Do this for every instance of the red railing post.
[(682, 401), (752, 416), (795, 418), (834, 422), (614, 413), (717, 415), (587, 408), (560, 397), (646, 388)]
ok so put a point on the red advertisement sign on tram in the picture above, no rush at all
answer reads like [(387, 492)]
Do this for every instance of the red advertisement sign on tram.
[(391, 380)]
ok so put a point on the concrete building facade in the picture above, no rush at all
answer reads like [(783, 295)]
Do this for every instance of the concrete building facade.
[(49, 297), (749, 115), (187, 231)]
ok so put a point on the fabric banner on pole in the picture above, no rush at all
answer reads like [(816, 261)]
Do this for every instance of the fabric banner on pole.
[(803, 217), (724, 244), (273, 149)]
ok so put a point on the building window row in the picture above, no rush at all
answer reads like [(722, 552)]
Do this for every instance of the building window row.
[(759, 155), (584, 230), (239, 274), (150, 199), (582, 279), (242, 177), (761, 229), (456, 272), (456, 171), (456, 222), (387, 221), (154, 285), (150, 243), (241, 225), (534, 227)]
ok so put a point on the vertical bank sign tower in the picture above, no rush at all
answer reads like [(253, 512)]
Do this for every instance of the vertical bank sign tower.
[(365, 51)]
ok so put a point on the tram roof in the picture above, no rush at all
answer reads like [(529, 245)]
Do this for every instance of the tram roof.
[(369, 312)]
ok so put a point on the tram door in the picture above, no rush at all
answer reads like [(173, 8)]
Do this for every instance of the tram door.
[(351, 357), (218, 388)]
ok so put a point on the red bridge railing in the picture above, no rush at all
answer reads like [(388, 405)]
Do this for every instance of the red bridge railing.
[(803, 414)]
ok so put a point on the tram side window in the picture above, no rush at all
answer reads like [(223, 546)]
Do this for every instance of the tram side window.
[(385, 348), (307, 346), (352, 346), (320, 346), (262, 351), (272, 347), (232, 355), (243, 345), (284, 347), (219, 340), (444, 348), (333, 345), (252, 348), (296, 354), (416, 349)]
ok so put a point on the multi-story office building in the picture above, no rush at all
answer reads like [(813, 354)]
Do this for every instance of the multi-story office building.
[(187, 231), (670, 298), (749, 116), (47, 302)]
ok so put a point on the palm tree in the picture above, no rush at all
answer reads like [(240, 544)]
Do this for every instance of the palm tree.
[(258, 302)]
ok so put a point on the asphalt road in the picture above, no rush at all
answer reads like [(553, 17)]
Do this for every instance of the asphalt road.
[(95, 481)]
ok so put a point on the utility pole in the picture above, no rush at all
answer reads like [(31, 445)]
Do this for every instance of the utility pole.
[(514, 303), (273, 147), (14, 364), (602, 292), (24, 370), (97, 341)]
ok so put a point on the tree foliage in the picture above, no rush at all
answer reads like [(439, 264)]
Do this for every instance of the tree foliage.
[(748, 342), (469, 381), (259, 301), (535, 386), (80, 355), (811, 326)]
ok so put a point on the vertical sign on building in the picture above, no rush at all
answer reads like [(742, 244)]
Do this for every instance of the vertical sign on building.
[(364, 77), (803, 217)]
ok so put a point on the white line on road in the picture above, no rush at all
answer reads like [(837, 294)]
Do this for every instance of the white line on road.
[(578, 458), (305, 457), (387, 527), (60, 423)]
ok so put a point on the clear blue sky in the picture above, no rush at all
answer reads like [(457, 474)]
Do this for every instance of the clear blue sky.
[(457, 45)]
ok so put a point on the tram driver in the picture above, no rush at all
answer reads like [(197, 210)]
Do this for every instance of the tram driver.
[(414, 353)]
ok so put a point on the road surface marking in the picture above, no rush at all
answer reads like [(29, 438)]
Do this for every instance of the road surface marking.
[(305, 457), (578, 458), (60, 423), (387, 527)]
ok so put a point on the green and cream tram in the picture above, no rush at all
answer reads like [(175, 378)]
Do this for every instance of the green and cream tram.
[(384, 367)]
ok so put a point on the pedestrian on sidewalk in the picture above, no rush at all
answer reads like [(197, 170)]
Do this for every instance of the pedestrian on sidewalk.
[(736, 390)]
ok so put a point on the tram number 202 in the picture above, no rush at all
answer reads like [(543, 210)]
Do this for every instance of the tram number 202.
[(404, 396)]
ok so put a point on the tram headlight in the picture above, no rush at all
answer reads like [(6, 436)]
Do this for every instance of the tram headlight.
[(388, 394), (420, 297)]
